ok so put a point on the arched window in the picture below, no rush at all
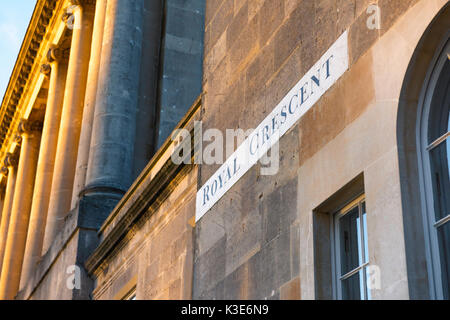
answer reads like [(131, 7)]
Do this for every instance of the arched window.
[(434, 157)]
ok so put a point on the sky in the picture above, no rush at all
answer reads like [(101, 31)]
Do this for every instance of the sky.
[(15, 16)]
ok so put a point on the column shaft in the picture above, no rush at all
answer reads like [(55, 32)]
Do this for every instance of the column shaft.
[(89, 101), (112, 145), (6, 212), (20, 214), (2, 202), (44, 173), (69, 131), (114, 130)]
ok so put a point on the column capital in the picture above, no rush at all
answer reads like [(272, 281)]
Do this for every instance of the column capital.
[(27, 126), (18, 139), (4, 171), (45, 69), (83, 3), (75, 4), (10, 160), (54, 54), (67, 15)]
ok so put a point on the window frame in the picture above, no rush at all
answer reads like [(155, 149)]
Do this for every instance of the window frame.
[(337, 277), (425, 180)]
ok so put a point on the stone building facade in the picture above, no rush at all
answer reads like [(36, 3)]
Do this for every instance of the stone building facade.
[(106, 94)]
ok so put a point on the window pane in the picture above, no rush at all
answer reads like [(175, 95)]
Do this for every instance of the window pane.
[(439, 160), (366, 245), (439, 123), (349, 241), (444, 248), (352, 288)]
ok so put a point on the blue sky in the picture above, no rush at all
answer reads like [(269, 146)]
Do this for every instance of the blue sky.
[(14, 18)]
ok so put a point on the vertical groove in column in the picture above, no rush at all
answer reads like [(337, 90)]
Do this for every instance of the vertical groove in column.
[(20, 213), (72, 113), (89, 102), (114, 130), (44, 173)]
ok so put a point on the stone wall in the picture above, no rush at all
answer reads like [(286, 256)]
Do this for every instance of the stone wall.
[(54, 285), (256, 242), (156, 257)]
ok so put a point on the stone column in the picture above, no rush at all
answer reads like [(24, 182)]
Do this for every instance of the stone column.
[(10, 169), (110, 164), (20, 211), (89, 101), (2, 199), (46, 161), (72, 114)]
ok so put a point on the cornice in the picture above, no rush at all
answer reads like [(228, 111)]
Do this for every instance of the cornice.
[(36, 31), (26, 70)]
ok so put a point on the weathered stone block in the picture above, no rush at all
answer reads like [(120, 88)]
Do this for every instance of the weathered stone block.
[(245, 47), (209, 268), (345, 15), (235, 284), (299, 25), (361, 38), (291, 290), (338, 107), (391, 11), (257, 74), (362, 5), (271, 218), (211, 8), (285, 78), (221, 20), (239, 22), (321, 123), (175, 290), (244, 240), (295, 250), (326, 16), (214, 57), (271, 15)]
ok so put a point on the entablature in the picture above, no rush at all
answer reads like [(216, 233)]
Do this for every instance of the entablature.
[(26, 91)]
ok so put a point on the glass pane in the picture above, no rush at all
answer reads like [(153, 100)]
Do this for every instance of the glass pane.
[(444, 248), (440, 173), (366, 245), (352, 288), (349, 240), (439, 120)]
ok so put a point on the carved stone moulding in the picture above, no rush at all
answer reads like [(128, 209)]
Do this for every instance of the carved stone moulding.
[(45, 69), (54, 54), (27, 126), (10, 160), (4, 171), (83, 3)]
